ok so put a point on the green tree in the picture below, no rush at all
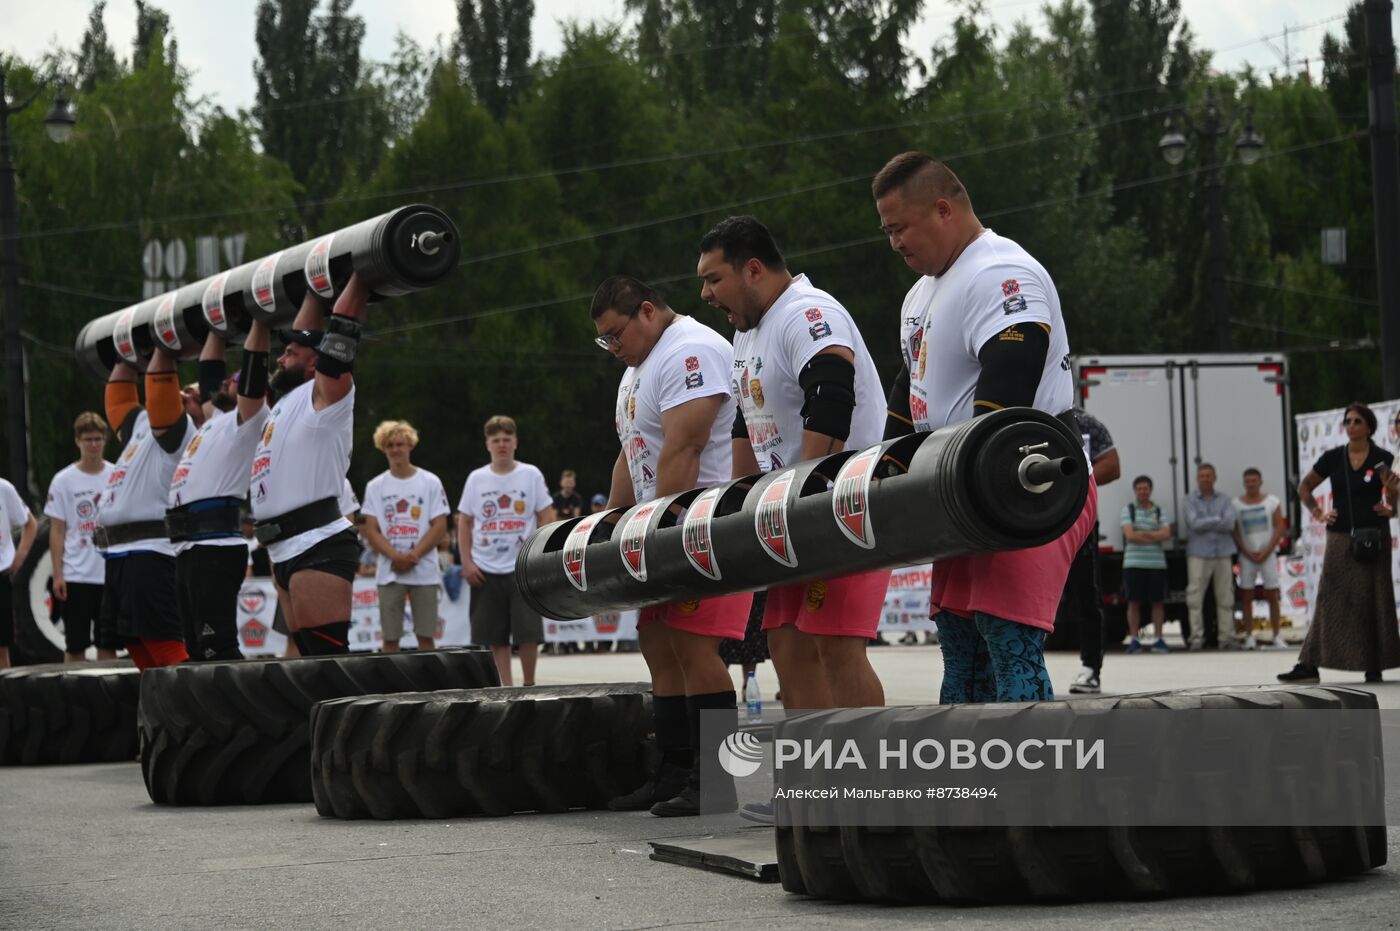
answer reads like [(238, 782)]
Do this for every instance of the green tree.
[(493, 44), (97, 60)]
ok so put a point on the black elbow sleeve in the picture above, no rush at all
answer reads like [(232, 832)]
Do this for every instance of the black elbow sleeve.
[(211, 378), (1013, 362), (740, 430), (898, 420), (829, 395)]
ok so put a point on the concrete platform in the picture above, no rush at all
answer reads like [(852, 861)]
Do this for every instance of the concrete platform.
[(82, 847)]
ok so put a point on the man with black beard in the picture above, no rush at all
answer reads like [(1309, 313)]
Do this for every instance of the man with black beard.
[(299, 468), (207, 493)]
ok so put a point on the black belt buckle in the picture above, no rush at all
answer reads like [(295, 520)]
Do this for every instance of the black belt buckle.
[(267, 533)]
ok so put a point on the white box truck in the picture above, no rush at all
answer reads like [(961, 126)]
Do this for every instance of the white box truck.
[(1170, 413)]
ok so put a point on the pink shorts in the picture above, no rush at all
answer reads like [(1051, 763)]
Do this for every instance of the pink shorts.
[(846, 606), (725, 616)]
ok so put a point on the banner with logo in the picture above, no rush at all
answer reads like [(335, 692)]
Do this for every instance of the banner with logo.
[(1318, 432), (257, 606), (906, 600)]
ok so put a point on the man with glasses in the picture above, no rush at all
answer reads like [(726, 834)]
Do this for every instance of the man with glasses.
[(673, 416), (77, 566)]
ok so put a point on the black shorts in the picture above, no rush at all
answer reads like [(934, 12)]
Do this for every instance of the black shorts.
[(339, 555), (7, 611), (139, 600), (499, 615), (82, 619), (1145, 586), (210, 578)]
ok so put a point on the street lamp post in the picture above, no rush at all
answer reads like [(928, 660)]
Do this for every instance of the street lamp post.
[(59, 123), (1248, 146)]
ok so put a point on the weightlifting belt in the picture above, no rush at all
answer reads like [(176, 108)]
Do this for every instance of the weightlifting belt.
[(298, 520), (206, 519), (116, 535)]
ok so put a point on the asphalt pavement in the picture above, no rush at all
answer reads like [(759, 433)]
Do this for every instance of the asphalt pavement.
[(83, 847)]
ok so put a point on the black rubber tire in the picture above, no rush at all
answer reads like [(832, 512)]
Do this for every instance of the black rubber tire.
[(239, 733), (1030, 864), (482, 752), (54, 713), (36, 640)]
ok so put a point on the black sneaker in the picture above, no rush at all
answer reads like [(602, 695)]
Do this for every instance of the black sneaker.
[(666, 783), (686, 804), (1374, 677), (1300, 675)]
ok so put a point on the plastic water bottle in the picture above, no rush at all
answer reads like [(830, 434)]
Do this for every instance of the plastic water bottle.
[(753, 699)]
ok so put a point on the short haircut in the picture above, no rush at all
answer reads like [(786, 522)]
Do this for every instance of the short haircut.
[(1366, 413), (568, 473), (1253, 471), (743, 238), (1203, 466), (625, 296), (918, 174), (391, 430), (1143, 478), (89, 422), (500, 424)]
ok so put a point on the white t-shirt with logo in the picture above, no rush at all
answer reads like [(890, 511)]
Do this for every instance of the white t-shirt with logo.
[(302, 456), (802, 322), (13, 515), (689, 361), (945, 322), (1256, 521), (215, 465), (405, 509), (138, 487), (73, 499), (502, 509), (349, 504)]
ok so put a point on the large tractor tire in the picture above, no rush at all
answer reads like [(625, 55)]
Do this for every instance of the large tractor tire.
[(483, 752), (38, 636), (81, 713), (239, 732), (1031, 864)]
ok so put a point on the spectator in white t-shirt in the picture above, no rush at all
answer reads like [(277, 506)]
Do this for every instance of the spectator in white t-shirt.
[(14, 515), (77, 566), (1258, 531), (502, 504), (405, 515)]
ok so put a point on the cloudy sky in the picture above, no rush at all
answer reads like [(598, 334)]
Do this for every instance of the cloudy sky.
[(216, 38)]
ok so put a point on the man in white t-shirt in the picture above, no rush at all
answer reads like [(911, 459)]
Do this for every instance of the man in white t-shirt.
[(139, 599), (502, 504), (405, 515), (77, 566), (14, 515), (981, 330), (806, 387), (299, 469), (207, 493), (673, 418), (1259, 529)]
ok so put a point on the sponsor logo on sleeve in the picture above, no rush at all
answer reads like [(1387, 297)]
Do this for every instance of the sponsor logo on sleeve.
[(318, 267), (819, 330), (695, 379), (262, 283), (213, 304), (695, 534), (576, 548), (634, 539), (164, 323), (770, 521), (850, 497), (1009, 287), (1014, 305), (692, 364), (813, 314)]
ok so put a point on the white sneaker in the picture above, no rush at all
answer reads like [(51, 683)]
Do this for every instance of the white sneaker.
[(1086, 683), (1250, 643), (1280, 643)]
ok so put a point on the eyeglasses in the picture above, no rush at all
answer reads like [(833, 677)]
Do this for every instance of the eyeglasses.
[(1348, 421), (609, 340)]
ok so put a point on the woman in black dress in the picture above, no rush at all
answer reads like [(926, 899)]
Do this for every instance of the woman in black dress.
[(1353, 625)]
